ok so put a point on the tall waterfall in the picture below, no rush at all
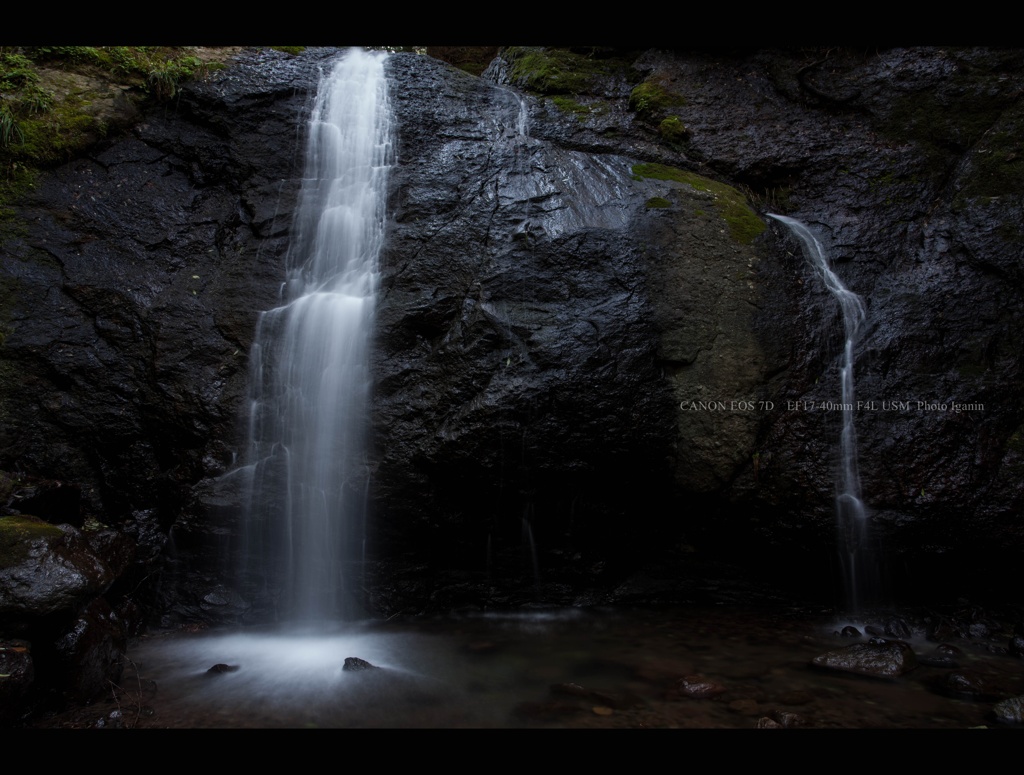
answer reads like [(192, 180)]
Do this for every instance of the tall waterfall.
[(850, 512), (310, 380)]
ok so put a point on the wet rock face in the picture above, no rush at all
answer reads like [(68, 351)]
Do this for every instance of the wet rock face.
[(130, 302), (545, 312), (128, 299), (517, 357), (905, 162)]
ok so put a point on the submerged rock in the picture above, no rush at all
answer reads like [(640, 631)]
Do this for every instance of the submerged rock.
[(697, 687), (967, 684)]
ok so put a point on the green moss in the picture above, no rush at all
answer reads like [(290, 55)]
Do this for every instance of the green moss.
[(39, 128), (569, 105), (658, 202), (559, 70), (59, 134), (293, 50), (651, 98), (673, 130), (17, 534), (730, 204)]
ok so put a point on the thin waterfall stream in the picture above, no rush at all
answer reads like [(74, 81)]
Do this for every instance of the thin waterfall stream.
[(309, 380), (851, 516)]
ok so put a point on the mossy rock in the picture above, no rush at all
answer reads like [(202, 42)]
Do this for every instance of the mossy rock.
[(744, 224), (45, 569), (17, 534), (657, 203), (560, 70), (650, 99), (58, 101), (673, 130)]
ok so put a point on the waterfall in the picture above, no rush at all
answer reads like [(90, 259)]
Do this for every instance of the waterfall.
[(309, 379), (850, 512)]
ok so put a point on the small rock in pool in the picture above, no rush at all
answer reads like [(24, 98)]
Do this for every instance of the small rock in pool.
[(355, 663), (222, 668), (849, 631)]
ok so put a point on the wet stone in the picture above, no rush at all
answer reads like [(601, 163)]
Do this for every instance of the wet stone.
[(1016, 647), (698, 687), (222, 668), (1010, 711), (944, 655), (788, 720), (942, 630), (879, 659), (978, 630), (967, 684), (355, 663), (897, 628), (849, 632)]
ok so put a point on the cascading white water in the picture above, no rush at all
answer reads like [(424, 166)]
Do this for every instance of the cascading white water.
[(310, 381), (850, 511)]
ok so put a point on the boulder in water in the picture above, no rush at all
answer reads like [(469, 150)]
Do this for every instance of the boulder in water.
[(877, 659)]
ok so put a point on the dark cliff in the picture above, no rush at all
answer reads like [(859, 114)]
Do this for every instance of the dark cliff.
[(571, 267)]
